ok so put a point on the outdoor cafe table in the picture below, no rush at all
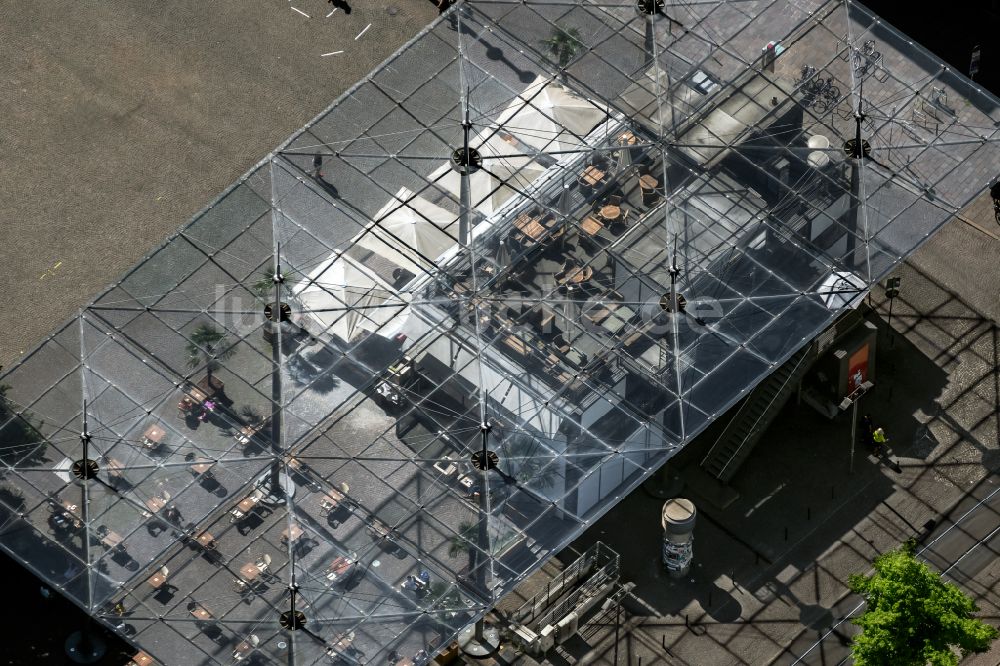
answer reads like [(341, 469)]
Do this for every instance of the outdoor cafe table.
[(249, 572), (201, 466), (341, 644), (111, 539), (611, 212), (247, 504), (200, 613), (141, 659), (590, 226), (71, 509), (115, 467), (592, 175), (246, 433), (329, 500), (627, 138), (292, 533), (153, 436), (205, 540), (578, 275), (530, 227), (155, 503), (647, 182), (339, 568), (157, 579)]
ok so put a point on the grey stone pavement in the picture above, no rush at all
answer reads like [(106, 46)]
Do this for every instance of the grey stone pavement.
[(768, 584), (121, 119)]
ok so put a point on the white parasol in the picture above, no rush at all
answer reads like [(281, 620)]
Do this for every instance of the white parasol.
[(550, 118), (346, 298), (410, 230)]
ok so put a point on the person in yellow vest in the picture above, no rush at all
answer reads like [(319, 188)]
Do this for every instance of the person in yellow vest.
[(878, 436)]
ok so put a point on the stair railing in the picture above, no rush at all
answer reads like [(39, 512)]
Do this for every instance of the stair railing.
[(805, 354)]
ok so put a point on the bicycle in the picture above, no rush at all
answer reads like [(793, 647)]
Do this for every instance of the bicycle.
[(866, 60), (824, 88), (805, 76)]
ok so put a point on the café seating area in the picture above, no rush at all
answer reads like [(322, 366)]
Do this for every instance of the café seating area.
[(548, 287)]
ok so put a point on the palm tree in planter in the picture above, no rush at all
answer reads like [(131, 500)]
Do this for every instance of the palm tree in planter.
[(208, 346), (468, 533), (563, 44), (263, 287)]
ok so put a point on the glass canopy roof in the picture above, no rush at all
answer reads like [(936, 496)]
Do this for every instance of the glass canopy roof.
[(516, 269)]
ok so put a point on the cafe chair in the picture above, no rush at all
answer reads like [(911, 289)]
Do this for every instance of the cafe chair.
[(244, 649), (263, 562)]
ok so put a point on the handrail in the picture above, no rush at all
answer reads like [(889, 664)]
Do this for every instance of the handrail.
[(805, 351)]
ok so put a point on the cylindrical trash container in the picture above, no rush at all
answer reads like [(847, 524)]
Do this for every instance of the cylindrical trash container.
[(678, 535)]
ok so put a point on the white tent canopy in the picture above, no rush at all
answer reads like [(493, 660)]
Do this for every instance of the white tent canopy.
[(346, 298), (410, 231), (548, 117), (486, 193)]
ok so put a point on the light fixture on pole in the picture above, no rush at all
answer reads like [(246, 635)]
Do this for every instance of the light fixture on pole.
[(995, 195), (851, 402)]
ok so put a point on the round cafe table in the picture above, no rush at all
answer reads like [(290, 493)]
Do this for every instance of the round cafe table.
[(818, 159), (611, 212), (818, 142)]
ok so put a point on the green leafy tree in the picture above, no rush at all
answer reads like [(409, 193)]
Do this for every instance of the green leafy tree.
[(207, 346), (913, 618), (563, 45)]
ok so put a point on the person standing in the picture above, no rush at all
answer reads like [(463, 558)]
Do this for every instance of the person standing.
[(868, 427), (879, 439)]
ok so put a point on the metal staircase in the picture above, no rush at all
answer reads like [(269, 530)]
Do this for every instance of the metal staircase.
[(758, 410)]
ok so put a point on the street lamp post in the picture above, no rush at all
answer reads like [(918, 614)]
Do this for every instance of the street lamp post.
[(851, 401), (995, 195)]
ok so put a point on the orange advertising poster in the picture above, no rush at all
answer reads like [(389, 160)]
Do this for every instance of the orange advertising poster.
[(857, 369)]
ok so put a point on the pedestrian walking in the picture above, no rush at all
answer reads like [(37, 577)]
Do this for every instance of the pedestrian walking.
[(317, 166)]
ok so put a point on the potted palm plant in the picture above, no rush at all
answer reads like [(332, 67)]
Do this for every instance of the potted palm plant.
[(563, 45), (207, 347), (468, 532)]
